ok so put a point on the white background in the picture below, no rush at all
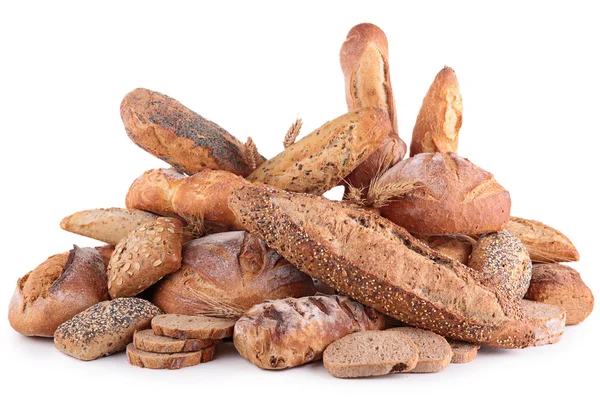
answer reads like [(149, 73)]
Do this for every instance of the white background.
[(529, 75)]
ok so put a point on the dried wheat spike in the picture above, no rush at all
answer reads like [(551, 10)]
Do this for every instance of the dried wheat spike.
[(195, 226), (353, 195), (251, 153), (380, 194), (292, 133)]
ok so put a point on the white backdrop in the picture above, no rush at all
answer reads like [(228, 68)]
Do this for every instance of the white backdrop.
[(530, 84)]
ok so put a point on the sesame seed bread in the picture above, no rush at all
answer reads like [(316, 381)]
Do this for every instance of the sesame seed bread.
[(503, 262), (440, 116), (108, 225), (544, 243), (455, 196), (562, 286), (320, 160), (378, 263), (145, 359), (549, 321), (224, 274), (371, 353), (104, 328), (458, 247), (286, 333), (144, 256), (146, 340), (434, 351), (170, 131), (463, 352), (62, 286), (192, 327)]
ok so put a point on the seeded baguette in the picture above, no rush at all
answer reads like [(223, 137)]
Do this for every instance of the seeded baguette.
[(381, 265), (462, 352), (290, 332), (320, 160), (434, 351), (145, 359), (192, 327)]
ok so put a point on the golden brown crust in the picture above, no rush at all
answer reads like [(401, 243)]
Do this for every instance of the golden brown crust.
[(154, 191), (440, 117), (225, 274), (168, 130), (562, 286), (457, 247), (378, 263), (290, 332), (56, 290), (544, 243), (455, 197), (320, 160)]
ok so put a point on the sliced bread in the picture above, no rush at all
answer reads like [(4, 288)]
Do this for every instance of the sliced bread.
[(146, 340), (146, 359), (370, 353), (463, 352), (549, 321), (434, 351), (192, 327)]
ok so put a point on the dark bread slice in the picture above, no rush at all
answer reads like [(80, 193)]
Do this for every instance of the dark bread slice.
[(370, 353), (146, 340), (549, 321), (434, 351), (462, 352), (193, 327), (146, 359)]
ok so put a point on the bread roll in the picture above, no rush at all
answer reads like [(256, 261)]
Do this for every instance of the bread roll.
[(225, 274), (364, 61), (440, 117), (168, 130), (154, 190), (62, 286), (455, 197)]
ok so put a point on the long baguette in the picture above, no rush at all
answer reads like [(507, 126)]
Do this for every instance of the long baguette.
[(381, 265)]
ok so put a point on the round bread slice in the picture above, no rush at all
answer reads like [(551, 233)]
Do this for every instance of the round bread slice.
[(145, 359), (146, 340), (462, 352), (193, 327), (370, 353), (434, 351)]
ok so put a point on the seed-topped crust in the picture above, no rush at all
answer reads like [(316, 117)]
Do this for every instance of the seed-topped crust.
[(381, 265)]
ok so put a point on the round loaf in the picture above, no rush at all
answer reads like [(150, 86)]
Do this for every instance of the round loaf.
[(455, 196), (503, 262), (62, 286), (225, 274), (154, 191)]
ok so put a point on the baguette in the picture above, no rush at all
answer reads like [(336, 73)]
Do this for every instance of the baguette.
[(168, 130), (153, 191), (381, 265), (320, 160)]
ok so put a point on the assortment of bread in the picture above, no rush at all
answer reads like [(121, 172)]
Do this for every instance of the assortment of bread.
[(227, 244)]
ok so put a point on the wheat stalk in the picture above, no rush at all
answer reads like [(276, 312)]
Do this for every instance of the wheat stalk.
[(380, 194), (353, 194), (195, 226), (292, 133), (251, 153)]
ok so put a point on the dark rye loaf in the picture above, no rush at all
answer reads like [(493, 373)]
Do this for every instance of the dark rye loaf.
[(381, 265)]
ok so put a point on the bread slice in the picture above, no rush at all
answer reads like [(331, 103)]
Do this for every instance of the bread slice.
[(463, 352), (146, 340), (370, 353), (145, 359), (380, 264), (434, 351), (549, 321), (192, 327)]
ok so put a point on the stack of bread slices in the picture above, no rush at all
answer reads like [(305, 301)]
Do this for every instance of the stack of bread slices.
[(417, 266)]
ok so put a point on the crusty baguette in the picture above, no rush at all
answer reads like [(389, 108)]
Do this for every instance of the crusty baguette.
[(168, 130), (289, 332), (544, 243), (108, 225), (381, 265), (320, 160), (364, 61), (153, 191), (440, 117)]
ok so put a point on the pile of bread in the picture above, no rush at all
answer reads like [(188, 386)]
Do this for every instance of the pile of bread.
[(229, 244)]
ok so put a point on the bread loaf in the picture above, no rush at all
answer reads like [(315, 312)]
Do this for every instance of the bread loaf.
[(562, 286), (168, 130), (108, 225), (56, 290), (285, 333), (364, 61), (154, 190), (320, 160), (440, 117), (544, 243), (455, 196), (381, 265), (458, 247), (225, 274), (503, 262)]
